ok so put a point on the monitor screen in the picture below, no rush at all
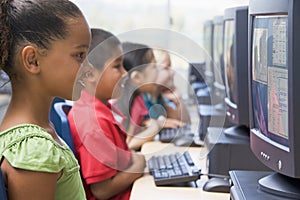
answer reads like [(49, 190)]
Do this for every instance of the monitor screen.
[(274, 92), (270, 79), (228, 60)]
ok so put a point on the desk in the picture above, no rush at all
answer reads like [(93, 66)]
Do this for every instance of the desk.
[(144, 188)]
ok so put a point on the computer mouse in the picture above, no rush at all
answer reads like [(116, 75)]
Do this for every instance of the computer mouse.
[(217, 185)]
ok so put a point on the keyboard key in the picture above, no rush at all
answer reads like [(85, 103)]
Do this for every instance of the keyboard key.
[(188, 158)]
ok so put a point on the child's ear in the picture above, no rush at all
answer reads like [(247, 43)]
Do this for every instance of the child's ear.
[(30, 56), (136, 77)]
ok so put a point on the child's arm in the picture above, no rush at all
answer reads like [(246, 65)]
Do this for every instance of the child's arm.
[(180, 112), (122, 180), (171, 123), (135, 141), (29, 185)]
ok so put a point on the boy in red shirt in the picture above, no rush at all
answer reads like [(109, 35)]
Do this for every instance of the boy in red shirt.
[(108, 167)]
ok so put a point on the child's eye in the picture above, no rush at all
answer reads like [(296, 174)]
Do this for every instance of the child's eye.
[(119, 66), (80, 56)]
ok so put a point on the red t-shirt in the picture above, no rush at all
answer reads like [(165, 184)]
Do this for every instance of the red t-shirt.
[(99, 142)]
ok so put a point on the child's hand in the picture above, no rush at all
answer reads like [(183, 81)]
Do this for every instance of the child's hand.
[(171, 123), (138, 157), (138, 162), (172, 96), (155, 125)]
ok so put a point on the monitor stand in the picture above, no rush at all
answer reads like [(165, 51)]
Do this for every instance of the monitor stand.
[(278, 184), (247, 186), (238, 132)]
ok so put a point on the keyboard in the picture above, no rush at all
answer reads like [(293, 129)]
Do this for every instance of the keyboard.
[(170, 135), (172, 169)]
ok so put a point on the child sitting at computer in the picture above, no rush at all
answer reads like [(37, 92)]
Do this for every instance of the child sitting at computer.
[(140, 63), (165, 97), (108, 167)]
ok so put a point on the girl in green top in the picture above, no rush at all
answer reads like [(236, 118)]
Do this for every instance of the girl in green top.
[(43, 43)]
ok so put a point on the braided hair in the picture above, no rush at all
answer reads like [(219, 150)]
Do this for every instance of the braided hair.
[(36, 22), (5, 35)]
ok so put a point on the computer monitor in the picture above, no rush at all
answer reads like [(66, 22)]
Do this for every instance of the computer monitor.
[(217, 56), (274, 84), (236, 70), (208, 30)]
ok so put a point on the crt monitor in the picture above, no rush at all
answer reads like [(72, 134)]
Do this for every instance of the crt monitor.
[(207, 42), (274, 84), (218, 65), (236, 70)]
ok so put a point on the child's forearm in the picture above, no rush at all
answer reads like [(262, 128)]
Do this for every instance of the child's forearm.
[(115, 185), (121, 180), (146, 135)]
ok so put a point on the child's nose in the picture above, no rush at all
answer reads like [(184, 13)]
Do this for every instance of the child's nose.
[(124, 72)]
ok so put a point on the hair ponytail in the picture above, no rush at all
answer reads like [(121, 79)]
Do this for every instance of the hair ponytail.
[(4, 33)]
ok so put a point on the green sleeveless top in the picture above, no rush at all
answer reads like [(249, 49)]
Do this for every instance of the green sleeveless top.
[(30, 147)]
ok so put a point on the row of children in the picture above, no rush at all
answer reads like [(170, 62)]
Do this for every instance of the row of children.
[(44, 46), (102, 143)]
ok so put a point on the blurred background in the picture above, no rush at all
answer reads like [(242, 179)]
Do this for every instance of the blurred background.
[(174, 25)]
